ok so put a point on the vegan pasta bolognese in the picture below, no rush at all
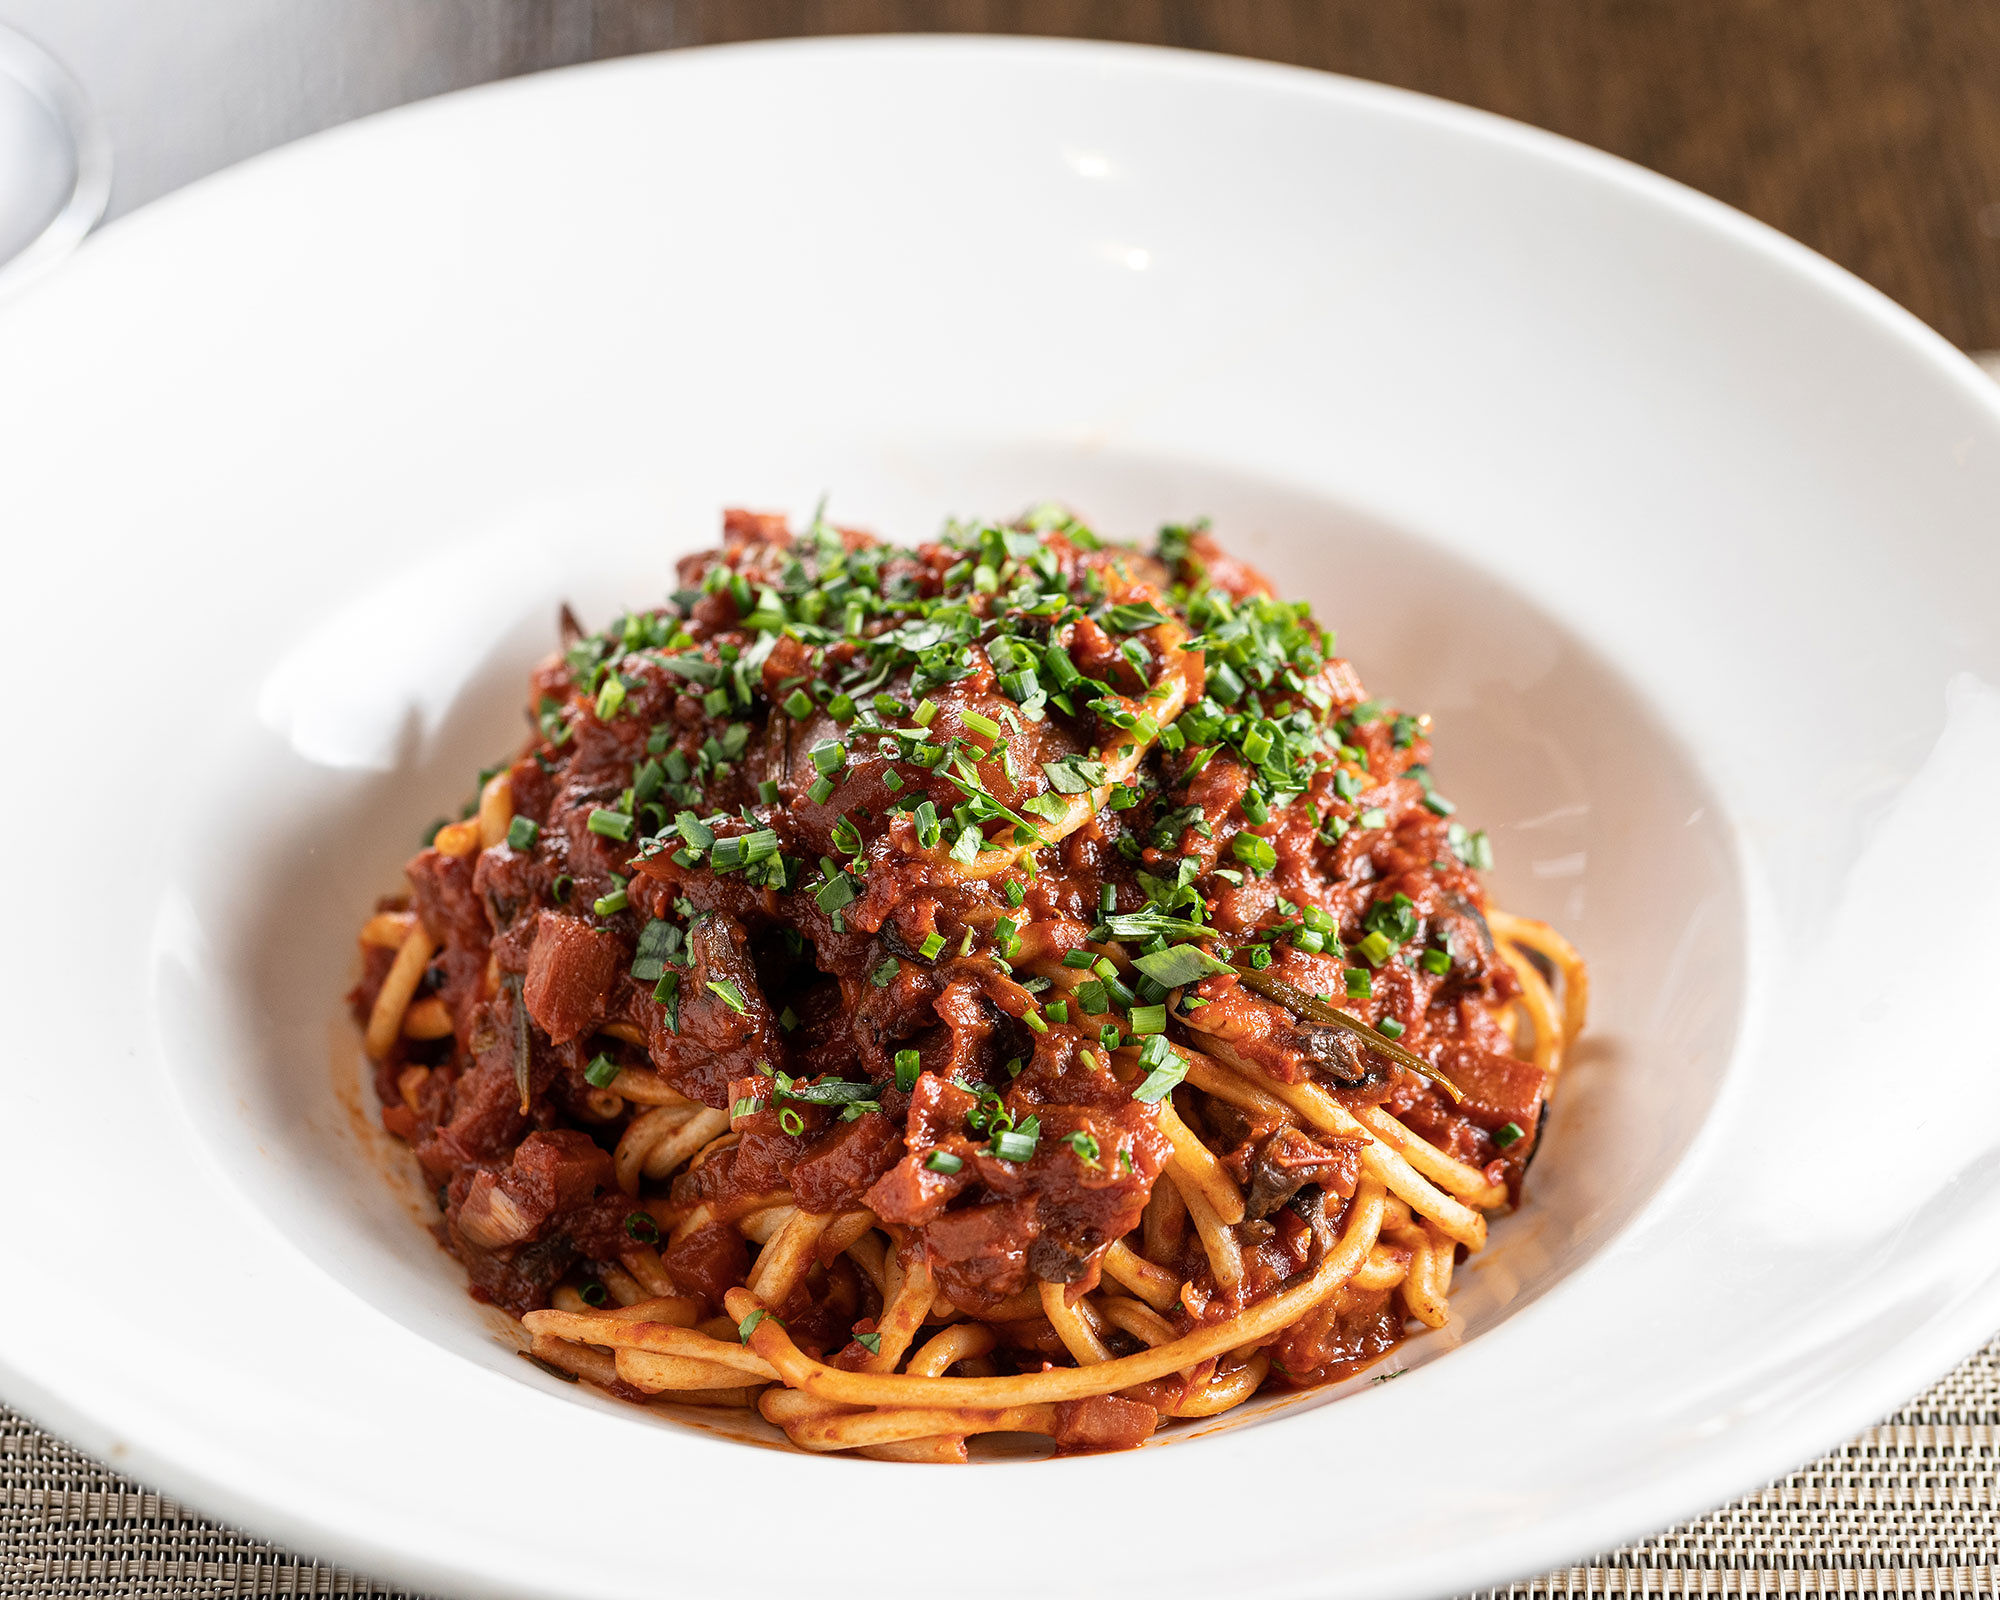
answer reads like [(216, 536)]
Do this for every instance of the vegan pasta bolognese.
[(1016, 984)]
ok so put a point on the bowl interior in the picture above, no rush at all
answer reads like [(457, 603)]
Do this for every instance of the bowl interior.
[(375, 722)]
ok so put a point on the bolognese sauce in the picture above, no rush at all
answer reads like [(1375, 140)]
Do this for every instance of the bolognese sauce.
[(1016, 983)]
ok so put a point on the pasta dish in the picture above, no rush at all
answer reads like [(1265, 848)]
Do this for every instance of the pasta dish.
[(1019, 984)]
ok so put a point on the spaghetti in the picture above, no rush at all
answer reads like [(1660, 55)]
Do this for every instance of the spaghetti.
[(1019, 984)]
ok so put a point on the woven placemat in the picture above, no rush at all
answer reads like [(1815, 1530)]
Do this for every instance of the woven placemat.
[(1906, 1510)]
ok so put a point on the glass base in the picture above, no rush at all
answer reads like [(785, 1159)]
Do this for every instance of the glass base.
[(55, 162)]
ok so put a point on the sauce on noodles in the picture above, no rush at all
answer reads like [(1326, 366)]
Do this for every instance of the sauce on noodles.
[(1016, 984)]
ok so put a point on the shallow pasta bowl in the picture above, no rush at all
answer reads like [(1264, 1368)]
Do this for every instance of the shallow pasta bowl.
[(1683, 536)]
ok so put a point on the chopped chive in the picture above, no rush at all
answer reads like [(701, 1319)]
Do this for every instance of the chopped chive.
[(932, 947), (1161, 1080), (601, 1072), (821, 791), (981, 724), (798, 704), (908, 1064), (829, 756), (1390, 1028), (1436, 962), (1179, 964), (610, 824), (667, 993), (1254, 851), (1359, 985), (1508, 1133), (726, 990), (522, 833), (942, 1161), (659, 943), (1149, 1019), (1474, 849)]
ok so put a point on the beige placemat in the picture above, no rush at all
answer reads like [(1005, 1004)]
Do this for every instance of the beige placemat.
[(1906, 1510)]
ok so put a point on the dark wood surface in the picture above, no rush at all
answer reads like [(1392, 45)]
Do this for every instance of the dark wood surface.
[(1870, 129)]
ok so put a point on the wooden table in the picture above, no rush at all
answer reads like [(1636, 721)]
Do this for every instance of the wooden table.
[(1869, 129)]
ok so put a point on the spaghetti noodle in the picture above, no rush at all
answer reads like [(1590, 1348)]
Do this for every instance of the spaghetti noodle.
[(1019, 984)]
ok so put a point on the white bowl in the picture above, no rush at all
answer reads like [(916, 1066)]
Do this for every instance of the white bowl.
[(1685, 536)]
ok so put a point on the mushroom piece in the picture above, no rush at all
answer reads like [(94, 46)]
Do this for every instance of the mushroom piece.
[(1476, 962), (1055, 1260), (1286, 1162), (1309, 1205), (491, 1218), (1313, 1008), (1245, 1023)]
